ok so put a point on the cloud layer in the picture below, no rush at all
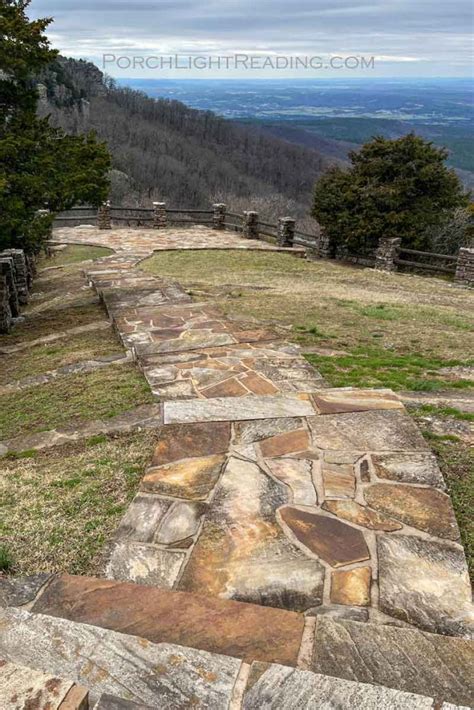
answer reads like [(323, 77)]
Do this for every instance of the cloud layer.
[(421, 37)]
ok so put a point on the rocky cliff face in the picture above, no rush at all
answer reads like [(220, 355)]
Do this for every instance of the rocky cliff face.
[(65, 89)]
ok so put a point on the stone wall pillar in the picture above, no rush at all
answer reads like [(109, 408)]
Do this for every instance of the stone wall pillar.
[(5, 310), (464, 275), (159, 215), (7, 269), (218, 217), (21, 273), (250, 225), (386, 254), (320, 249), (31, 268), (286, 232), (103, 216)]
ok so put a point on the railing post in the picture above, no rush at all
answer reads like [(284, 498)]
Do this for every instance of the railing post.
[(464, 275), (286, 232), (21, 273), (250, 226), (159, 215), (5, 310), (218, 217), (103, 216), (387, 252), (321, 248), (7, 269)]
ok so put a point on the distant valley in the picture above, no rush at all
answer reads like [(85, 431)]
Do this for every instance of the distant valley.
[(335, 116)]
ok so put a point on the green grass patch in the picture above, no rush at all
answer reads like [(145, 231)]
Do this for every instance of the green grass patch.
[(377, 367), (73, 254), (49, 356), (69, 400), (6, 559), (446, 412), (60, 508)]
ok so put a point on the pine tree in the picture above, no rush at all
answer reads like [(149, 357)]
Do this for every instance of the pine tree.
[(394, 188), (40, 166)]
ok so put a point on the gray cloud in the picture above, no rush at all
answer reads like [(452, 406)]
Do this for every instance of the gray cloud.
[(436, 34)]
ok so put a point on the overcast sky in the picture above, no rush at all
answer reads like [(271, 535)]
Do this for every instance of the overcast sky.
[(406, 37)]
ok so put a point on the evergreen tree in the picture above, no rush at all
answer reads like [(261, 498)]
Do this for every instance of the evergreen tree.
[(394, 188), (40, 166)]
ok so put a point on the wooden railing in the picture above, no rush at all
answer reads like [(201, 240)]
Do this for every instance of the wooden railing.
[(424, 264)]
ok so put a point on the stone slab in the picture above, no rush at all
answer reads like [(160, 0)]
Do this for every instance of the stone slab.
[(351, 587), (361, 515), (401, 658), (142, 518), (276, 687), (426, 583), (235, 409), (192, 479), (180, 523), (247, 432), (181, 441), (16, 591), (424, 508), (409, 468), (110, 662), (243, 554), (335, 542), (348, 399), (144, 563), (297, 474), (23, 688), (112, 702), (245, 631), (286, 443), (390, 430)]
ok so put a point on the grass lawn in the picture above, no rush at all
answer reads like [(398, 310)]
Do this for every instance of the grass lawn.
[(73, 254), (71, 399), (390, 330), (49, 356), (60, 506)]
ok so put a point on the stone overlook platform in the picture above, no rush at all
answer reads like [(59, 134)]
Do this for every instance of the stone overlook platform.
[(291, 545)]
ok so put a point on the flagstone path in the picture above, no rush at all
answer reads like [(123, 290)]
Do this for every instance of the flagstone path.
[(267, 486), (280, 521)]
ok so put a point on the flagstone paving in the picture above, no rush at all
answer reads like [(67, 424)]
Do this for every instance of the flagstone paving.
[(146, 240), (266, 486)]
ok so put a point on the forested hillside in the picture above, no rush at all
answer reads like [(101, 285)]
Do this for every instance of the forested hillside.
[(163, 149)]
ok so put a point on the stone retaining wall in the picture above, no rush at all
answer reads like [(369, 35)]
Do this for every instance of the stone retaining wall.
[(16, 275)]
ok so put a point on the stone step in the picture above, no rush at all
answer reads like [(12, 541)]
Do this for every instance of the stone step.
[(23, 688), (245, 631), (161, 675), (402, 658), (398, 657), (124, 672)]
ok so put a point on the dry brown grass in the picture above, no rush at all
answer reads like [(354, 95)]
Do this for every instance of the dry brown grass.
[(345, 306), (61, 505)]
